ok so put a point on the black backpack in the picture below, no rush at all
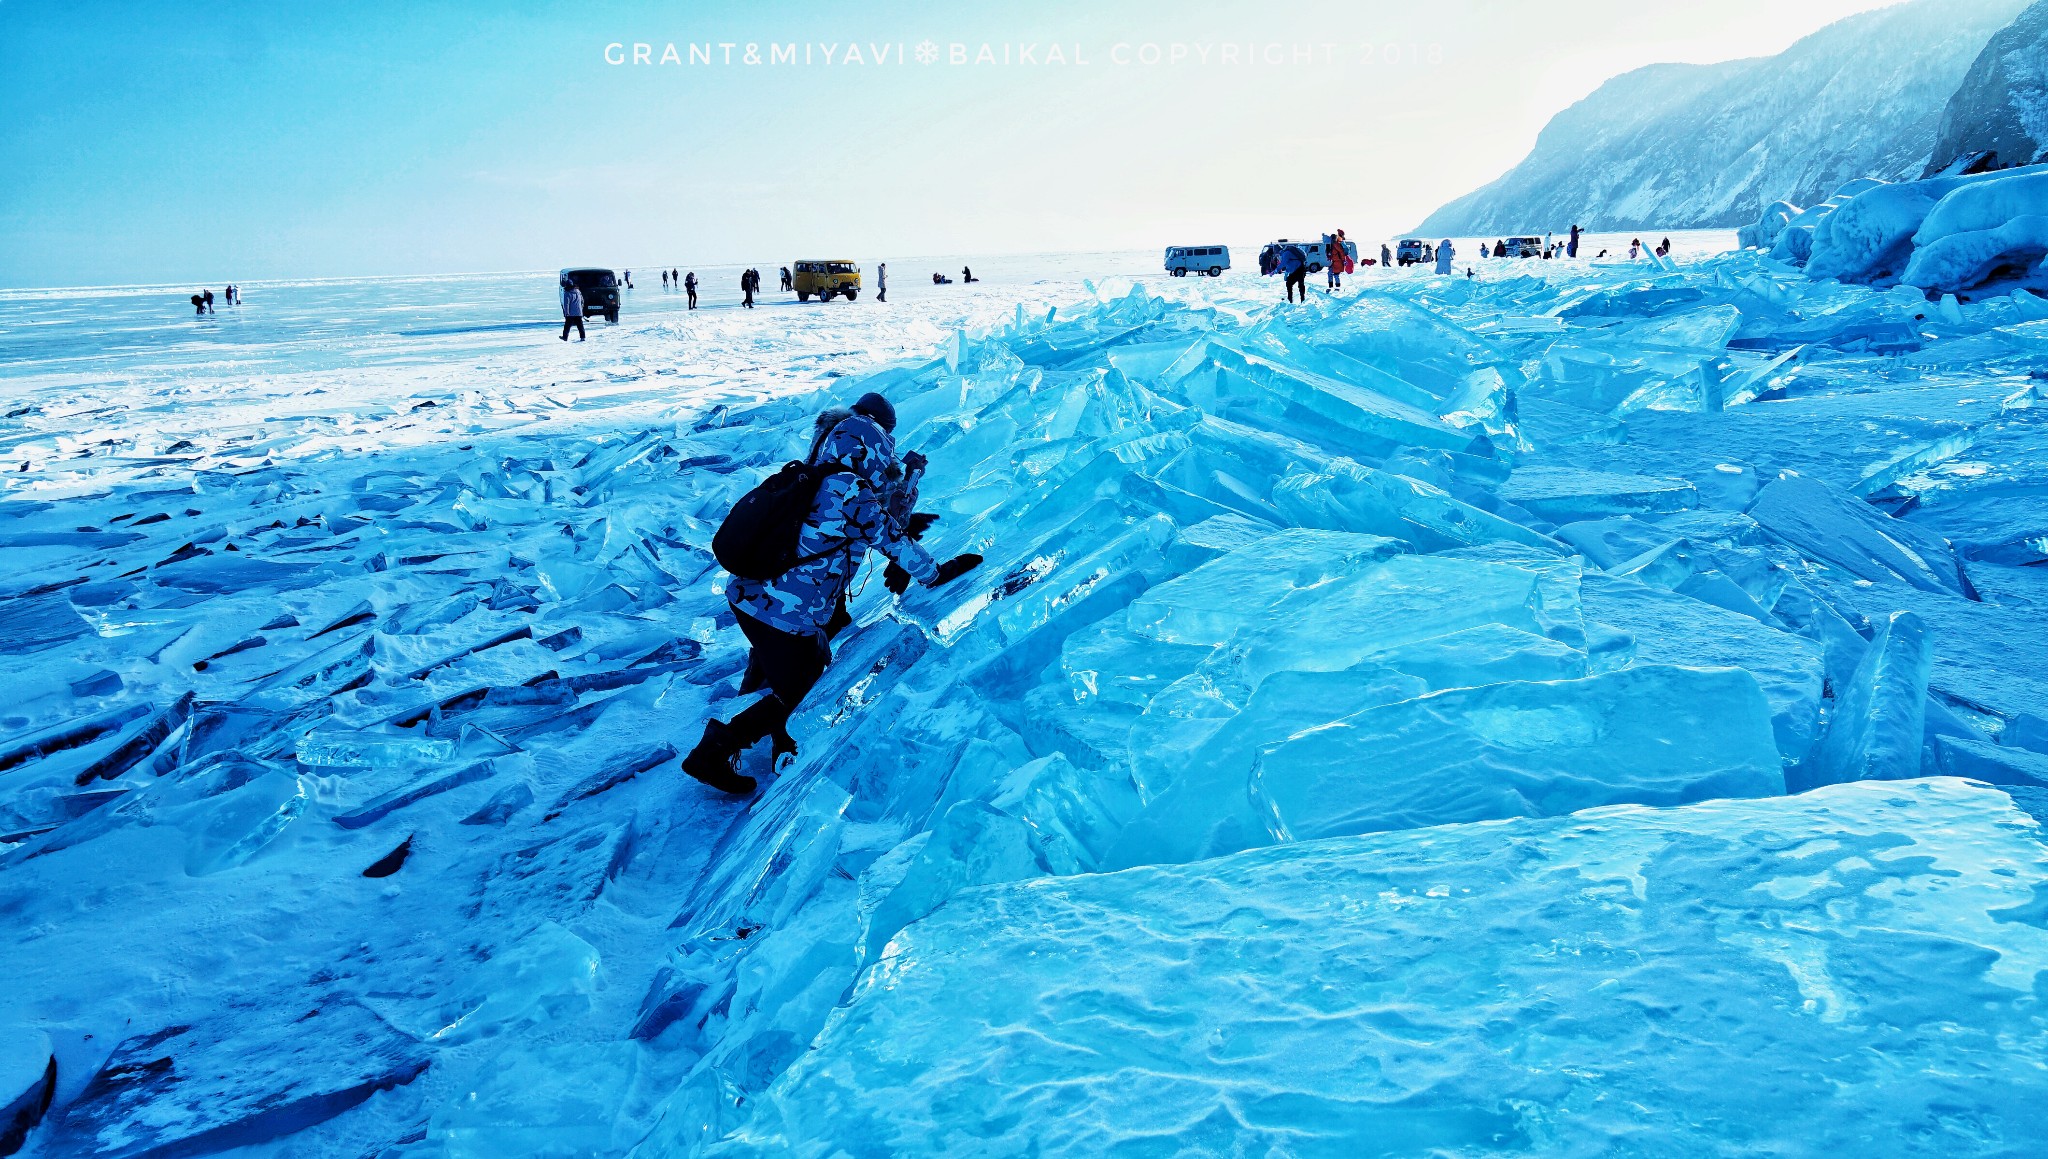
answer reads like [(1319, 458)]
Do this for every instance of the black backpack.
[(758, 539)]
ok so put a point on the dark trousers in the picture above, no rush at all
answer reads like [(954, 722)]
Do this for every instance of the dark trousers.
[(693, 297), (748, 301), (784, 664), (1298, 280), (577, 322)]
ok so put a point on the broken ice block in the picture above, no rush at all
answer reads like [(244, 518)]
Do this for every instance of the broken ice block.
[(1564, 494), (1654, 735), (1670, 628), (1725, 978), (567, 1098), (1876, 728), (1209, 604), (228, 830), (1196, 804), (1351, 497), (1815, 518), (335, 748), (1404, 599), (549, 974)]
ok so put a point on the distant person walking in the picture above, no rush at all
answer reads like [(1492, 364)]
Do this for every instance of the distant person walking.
[(628, 276), (690, 288), (207, 297), (1444, 253), (1333, 262), (747, 288), (664, 279), (882, 282), (572, 310), (966, 275), (1571, 248), (787, 284), (1386, 256)]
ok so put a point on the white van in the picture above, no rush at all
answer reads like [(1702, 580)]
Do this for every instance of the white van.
[(1212, 260)]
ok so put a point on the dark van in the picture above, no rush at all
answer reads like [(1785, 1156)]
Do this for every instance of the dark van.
[(600, 292)]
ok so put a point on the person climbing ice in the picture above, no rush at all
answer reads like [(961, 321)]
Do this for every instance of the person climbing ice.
[(1294, 265), (1444, 254), (862, 498)]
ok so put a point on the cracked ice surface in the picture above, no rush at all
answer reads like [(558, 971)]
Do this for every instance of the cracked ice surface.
[(1237, 804)]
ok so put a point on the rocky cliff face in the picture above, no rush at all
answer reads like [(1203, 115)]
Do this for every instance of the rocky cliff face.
[(1696, 146), (2001, 107)]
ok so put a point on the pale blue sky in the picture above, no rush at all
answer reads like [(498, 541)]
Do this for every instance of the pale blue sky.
[(152, 142)]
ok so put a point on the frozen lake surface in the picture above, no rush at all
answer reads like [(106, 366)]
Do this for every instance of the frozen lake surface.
[(1588, 707)]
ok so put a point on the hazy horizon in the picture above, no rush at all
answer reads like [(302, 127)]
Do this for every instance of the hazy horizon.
[(390, 140)]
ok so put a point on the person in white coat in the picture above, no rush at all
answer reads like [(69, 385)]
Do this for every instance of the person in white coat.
[(1444, 254)]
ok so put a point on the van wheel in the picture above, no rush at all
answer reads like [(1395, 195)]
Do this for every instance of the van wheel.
[(612, 316), (1215, 271), (851, 293), (1178, 273), (803, 295)]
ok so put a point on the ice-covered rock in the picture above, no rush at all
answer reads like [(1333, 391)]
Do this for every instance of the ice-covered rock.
[(1739, 975), (1988, 231)]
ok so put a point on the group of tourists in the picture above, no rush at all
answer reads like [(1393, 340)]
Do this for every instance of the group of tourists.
[(202, 302)]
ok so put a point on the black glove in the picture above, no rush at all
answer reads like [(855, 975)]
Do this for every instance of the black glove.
[(954, 568), (912, 461), (920, 522), (895, 578)]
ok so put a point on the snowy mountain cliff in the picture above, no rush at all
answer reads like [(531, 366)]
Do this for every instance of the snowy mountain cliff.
[(2002, 106), (1673, 146)]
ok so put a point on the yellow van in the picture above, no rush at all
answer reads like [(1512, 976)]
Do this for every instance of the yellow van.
[(827, 279)]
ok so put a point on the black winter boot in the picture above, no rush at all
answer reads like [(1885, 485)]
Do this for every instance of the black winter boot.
[(716, 760)]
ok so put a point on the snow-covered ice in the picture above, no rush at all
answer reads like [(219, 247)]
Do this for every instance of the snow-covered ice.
[(1590, 707)]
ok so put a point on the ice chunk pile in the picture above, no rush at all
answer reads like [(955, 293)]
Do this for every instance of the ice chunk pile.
[(1372, 728)]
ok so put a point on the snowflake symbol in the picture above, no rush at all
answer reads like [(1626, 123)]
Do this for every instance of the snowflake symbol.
[(927, 52)]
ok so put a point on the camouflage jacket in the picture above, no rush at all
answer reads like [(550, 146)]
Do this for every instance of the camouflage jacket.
[(865, 508)]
